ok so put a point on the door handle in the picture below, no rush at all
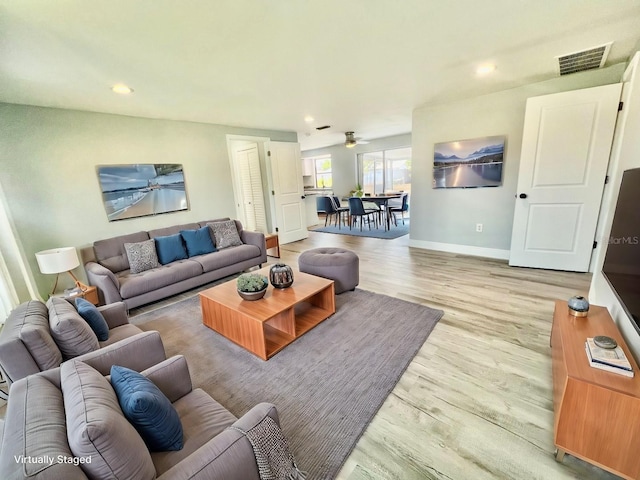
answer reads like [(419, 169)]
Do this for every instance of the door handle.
[(303, 197), (523, 195)]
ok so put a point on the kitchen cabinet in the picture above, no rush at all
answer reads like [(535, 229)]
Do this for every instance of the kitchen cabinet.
[(308, 168)]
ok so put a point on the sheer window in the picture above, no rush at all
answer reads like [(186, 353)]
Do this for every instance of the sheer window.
[(385, 171)]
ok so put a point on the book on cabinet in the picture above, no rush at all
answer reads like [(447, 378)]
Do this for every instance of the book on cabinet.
[(613, 357), (604, 366)]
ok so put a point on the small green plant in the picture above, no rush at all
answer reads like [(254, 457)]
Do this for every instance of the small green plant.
[(251, 282)]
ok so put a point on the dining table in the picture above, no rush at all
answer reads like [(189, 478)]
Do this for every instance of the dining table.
[(382, 201)]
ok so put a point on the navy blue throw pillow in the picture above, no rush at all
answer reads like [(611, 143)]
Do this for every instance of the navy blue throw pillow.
[(170, 248), (147, 409), (198, 241), (94, 318)]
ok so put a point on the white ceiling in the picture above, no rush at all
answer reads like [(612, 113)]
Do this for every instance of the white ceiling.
[(360, 65)]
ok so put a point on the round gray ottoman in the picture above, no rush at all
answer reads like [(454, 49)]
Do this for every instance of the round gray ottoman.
[(337, 264)]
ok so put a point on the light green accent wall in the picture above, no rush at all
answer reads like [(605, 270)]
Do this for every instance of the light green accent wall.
[(449, 216), (48, 172), (343, 159)]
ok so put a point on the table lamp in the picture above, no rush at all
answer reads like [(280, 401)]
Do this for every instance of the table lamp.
[(58, 260)]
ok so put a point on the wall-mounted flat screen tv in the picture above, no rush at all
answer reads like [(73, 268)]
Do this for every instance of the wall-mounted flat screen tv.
[(469, 163), (622, 261)]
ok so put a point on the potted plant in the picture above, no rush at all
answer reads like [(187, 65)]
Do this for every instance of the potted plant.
[(252, 286)]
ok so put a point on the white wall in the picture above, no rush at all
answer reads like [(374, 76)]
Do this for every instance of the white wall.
[(343, 159), (48, 172), (625, 155), (445, 219)]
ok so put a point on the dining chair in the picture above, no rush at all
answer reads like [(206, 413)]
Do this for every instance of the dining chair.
[(328, 209), (339, 208), (357, 210), (404, 207)]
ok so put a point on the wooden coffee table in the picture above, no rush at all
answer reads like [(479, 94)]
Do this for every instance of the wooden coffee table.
[(266, 326)]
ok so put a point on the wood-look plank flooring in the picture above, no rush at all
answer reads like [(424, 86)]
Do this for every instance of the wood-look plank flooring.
[(476, 402)]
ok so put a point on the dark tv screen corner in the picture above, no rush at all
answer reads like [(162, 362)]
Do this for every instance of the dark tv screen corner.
[(622, 261)]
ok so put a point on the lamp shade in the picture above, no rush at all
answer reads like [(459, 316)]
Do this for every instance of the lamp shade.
[(57, 260)]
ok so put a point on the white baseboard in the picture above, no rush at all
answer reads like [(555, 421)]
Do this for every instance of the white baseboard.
[(461, 249)]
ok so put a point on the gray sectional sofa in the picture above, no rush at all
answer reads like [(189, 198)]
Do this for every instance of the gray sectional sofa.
[(72, 413), (108, 268), (38, 337)]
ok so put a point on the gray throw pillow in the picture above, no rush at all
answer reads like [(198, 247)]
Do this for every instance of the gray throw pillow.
[(225, 233), (69, 330), (142, 255)]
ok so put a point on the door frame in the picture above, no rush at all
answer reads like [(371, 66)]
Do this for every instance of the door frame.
[(265, 170)]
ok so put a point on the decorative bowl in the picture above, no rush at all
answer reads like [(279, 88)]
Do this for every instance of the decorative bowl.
[(252, 295)]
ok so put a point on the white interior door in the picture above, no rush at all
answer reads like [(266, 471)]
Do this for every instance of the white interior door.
[(565, 151), (248, 162), (288, 191)]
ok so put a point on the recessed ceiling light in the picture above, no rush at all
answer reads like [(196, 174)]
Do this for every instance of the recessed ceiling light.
[(122, 89), (485, 69), (308, 119)]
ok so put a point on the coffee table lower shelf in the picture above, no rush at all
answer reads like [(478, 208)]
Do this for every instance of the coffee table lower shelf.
[(306, 316)]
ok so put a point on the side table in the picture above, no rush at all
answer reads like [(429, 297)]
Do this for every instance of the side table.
[(89, 293), (273, 242)]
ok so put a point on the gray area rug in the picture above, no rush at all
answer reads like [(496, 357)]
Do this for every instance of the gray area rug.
[(327, 385)]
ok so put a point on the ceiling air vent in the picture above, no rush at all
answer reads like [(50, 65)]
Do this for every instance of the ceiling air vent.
[(584, 60)]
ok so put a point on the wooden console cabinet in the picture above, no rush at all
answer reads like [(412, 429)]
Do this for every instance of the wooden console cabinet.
[(597, 413)]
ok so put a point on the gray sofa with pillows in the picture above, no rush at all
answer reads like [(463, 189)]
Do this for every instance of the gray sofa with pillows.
[(38, 337), (71, 418), (145, 267)]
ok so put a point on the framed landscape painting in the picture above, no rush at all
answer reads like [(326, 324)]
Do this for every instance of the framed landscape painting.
[(138, 190), (469, 163)]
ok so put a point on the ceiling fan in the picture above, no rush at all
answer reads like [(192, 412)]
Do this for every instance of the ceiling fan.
[(351, 140)]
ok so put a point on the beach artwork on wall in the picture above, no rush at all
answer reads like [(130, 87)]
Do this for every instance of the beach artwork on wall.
[(469, 163), (130, 191)]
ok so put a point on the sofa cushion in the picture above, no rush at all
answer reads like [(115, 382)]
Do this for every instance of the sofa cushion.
[(142, 256), (96, 427), (120, 333), (41, 346), (148, 410), (202, 419), (138, 284), (170, 248), (111, 254), (36, 428), (225, 234), (69, 330), (228, 256), (90, 313), (30, 323), (172, 230), (198, 241)]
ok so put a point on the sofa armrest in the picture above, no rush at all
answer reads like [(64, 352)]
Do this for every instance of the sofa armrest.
[(171, 377), (255, 416), (257, 239), (137, 352), (227, 455), (115, 314), (105, 280)]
